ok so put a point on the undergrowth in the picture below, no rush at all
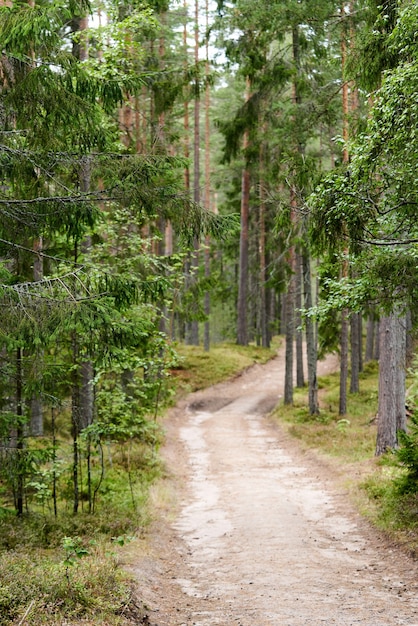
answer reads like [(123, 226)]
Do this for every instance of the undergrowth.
[(64, 568), (197, 369), (386, 488)]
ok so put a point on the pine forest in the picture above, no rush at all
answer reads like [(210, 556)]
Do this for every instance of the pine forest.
[(190, 173)]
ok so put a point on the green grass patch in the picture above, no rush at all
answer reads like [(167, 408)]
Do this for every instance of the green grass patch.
[(40, 587), (198, 369), (350, 438), (348, 443)]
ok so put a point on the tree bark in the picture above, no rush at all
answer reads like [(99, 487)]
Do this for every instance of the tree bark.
[(343, 362), (194, 325), (20, 441), (391, 412), (242, 330), (377, 340), (344, 272), (300, 378), (370, 334), (265, 339), (311, 345), (206, 335), (355, 354), (290, 310), (36, 408)]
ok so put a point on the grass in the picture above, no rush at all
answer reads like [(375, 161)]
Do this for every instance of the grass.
[(43, 580), (66, 569), (348, 445), (198, 369), (352, 437)]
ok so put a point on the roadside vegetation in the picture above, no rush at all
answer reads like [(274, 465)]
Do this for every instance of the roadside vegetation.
[(197, 369), (66, 568), (384, 488)]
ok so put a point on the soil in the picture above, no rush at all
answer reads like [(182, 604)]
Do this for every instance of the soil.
[(257, 532)]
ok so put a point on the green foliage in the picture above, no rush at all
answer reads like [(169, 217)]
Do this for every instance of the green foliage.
[(407, 457)]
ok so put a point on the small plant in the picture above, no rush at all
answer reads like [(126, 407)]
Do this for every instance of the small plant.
[(74, 551), (342, 425)]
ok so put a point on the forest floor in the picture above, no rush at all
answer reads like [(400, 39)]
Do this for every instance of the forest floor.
[(254, 531)]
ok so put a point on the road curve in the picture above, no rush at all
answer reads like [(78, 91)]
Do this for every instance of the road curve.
[(261, 536)]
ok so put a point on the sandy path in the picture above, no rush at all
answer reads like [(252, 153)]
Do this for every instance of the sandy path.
[(261, 535)]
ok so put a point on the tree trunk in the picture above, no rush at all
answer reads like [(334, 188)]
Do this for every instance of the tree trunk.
[(20, 441), (75, 422), (409, 339), (391, 412), (343, 362), (355, 354), (344, 272), (194, 325), (86, 394), (290, 310), (377, 340), (206, 336), (311, 347), (370, 333), (36, 408), (300, 379), (265, 338), (242, 330)]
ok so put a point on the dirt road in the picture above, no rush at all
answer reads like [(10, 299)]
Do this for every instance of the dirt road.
[(260, 534)]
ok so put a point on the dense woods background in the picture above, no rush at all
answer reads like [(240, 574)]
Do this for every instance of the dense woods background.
[(179, 172)]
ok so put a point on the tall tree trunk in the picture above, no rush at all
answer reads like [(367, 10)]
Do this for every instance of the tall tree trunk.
[(344, 313), (206, 338), (300, 379), (355, 353), (343, 362), (75, 422), (290, 309), (242, 324), (409, 339), (377, 340), (311, 341), (194, 326), (265, 339), (360, 341), (370, 333), (391, 412), (20, 437), (36, 408)]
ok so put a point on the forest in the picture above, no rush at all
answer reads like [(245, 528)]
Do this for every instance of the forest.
[(191, 173)]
